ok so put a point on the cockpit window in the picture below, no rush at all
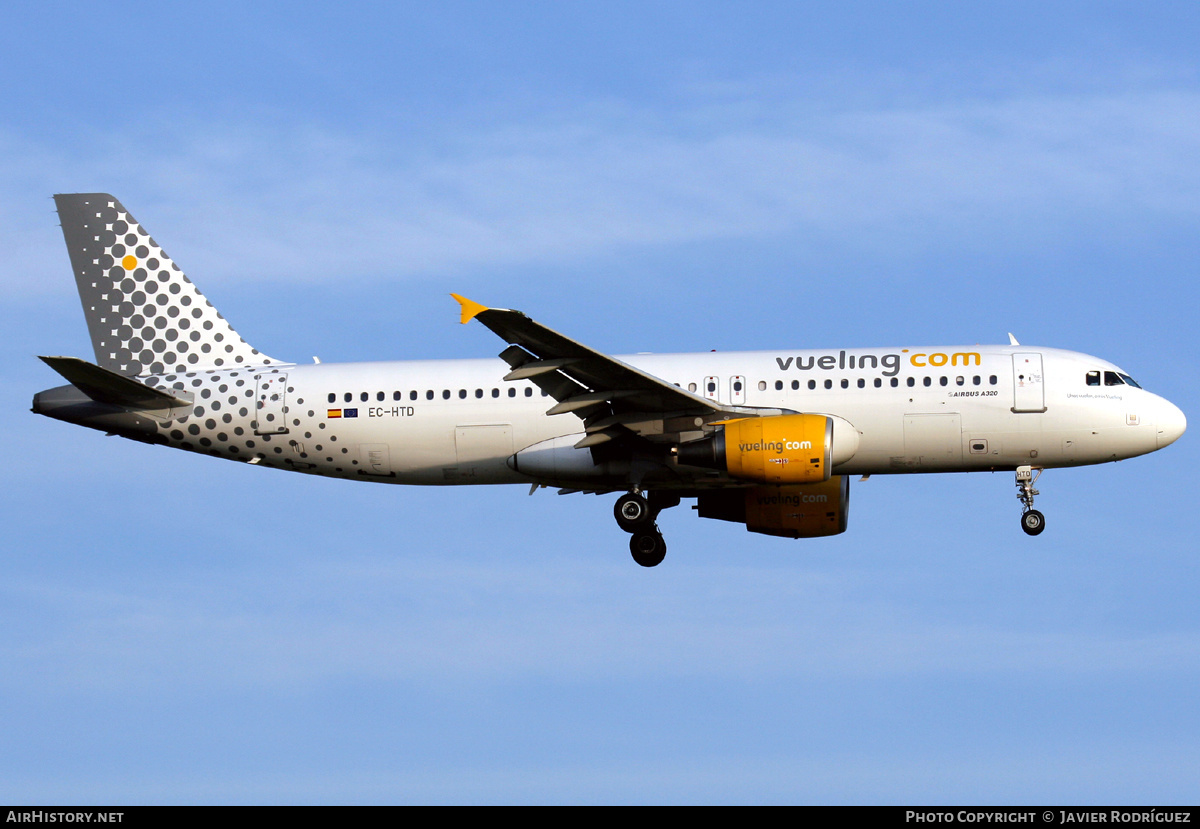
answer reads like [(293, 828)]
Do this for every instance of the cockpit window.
[(1111, 378)]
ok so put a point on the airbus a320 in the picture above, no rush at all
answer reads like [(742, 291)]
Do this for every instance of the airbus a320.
[(767, 439)]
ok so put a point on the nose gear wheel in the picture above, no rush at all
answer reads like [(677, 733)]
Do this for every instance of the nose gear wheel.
[(1032, 521)]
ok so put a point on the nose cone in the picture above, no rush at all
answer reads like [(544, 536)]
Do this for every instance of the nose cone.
[(1171, 424)]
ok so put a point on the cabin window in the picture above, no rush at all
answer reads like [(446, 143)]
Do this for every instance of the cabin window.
[(845, 383), (462, 394), (495, 392), (992, 380), (878, 382), (829, 384), (795, 385), (332, 397), (512, 392), (691, 387), (478, 393), (762, 385), (445, 394), (348, 397), (397, 395), (429, 394), (862, 384), (895, 382), (960, 380), (812, 384), (943, 380), (380, 396), (928, 381), (912, 381), (778, 385), (529, 392), (976, 380)]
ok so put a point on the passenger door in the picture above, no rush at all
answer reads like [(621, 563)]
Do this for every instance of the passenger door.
[(1029, 394)]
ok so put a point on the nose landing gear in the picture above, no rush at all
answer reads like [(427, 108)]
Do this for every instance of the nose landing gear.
[(636, 515), (1032, 521)]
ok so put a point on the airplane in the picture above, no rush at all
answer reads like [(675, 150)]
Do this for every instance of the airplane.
[(768, 439)]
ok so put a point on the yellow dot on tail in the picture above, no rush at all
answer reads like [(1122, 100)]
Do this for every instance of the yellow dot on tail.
[(129, 263)]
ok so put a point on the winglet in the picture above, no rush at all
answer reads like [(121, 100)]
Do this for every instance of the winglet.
[(1012, 340), (470, 309)]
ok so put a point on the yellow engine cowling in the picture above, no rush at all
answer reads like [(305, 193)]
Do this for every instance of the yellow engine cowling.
[(795, 511), (782, 449), (787, 449)]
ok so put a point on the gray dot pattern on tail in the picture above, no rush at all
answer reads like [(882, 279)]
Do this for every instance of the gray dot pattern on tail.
[(145, 316)]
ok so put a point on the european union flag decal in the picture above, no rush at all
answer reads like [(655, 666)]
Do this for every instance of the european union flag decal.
[(349, 412)]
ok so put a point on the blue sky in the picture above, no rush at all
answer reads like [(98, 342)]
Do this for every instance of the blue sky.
[(644, 177)]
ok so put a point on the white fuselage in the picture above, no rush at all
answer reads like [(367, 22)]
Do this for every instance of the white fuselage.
[(766, 439), (457, 422)]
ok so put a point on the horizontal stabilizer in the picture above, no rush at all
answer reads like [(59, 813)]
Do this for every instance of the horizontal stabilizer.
[(106, 386)]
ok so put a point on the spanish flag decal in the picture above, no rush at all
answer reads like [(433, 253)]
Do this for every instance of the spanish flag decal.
[(334, 413)]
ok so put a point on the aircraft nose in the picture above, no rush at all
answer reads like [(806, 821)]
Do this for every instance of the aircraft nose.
[(1171, 424)]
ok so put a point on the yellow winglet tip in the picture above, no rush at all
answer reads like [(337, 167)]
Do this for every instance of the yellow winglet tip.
[(470, 309)]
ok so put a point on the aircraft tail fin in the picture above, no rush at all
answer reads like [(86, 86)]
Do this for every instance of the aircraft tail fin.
[(143, 313)]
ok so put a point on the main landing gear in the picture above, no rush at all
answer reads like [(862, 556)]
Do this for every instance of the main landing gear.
[(1032, 521), (636, 515)]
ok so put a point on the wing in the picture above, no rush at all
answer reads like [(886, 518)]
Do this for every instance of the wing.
[(614, 399)]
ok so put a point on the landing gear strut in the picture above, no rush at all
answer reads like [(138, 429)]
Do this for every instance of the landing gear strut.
[(1032, 521), (636, 514)]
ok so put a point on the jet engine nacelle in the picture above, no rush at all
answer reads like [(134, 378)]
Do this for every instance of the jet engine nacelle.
[(781, 449), (797, 511), (558, 460)]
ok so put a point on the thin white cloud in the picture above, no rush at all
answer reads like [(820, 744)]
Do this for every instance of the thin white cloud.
[(315, 204)]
